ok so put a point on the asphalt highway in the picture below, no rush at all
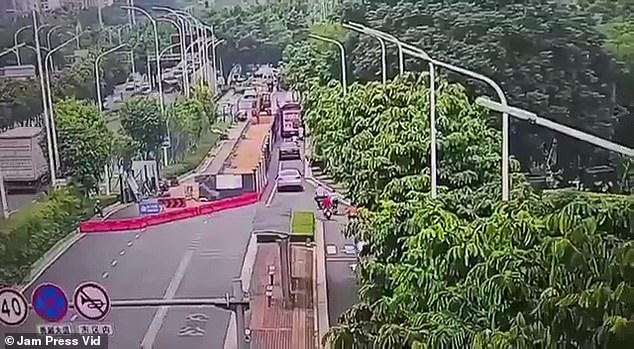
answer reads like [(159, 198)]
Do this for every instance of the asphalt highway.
[(192, 258)]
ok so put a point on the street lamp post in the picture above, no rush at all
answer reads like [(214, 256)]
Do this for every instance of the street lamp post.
[(181, 44), (38, 54), (202, 51), (186, 31), (569, 131), (3, 192), (215, 44), (97, 75), (417, 52), (344, 77), (15, 42), (48, 35), (383, 49), (156, 52), (49, 93)]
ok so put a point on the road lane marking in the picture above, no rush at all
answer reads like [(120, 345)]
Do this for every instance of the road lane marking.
[(130, 243), (161, 313), (137, 235), (104, 275), (271, 195), (114, 263), (122, 252)]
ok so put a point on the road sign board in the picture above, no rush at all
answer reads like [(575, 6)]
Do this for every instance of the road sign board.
[(53, 329), (105, 329), (166, 143), (149, 208), (14, 308), (91, 301), (50, 302)]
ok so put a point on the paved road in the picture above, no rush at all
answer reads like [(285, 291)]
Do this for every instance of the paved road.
[(342, 287), (192, 258)]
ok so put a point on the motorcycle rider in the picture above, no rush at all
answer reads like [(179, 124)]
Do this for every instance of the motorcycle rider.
[(320, 194), (326, 204)]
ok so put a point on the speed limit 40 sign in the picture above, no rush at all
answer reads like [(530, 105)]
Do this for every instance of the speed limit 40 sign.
[(13, 307)]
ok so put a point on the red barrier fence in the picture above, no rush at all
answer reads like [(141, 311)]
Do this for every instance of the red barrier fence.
[(137, 223), (172, 202)]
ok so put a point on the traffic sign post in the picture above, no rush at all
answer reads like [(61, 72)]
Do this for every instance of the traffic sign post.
[(91, 301), (14, 308), (50, 302), (149, 208)]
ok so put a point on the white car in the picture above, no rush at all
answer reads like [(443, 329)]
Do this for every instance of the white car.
[(289, 179)]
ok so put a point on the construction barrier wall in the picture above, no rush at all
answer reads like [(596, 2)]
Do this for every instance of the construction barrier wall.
[(137, 223)]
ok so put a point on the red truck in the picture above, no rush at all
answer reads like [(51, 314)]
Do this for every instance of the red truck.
[(291, 119)]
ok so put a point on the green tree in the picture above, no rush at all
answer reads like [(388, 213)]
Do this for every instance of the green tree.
[(525, 49), (85, 143), (143, 121)]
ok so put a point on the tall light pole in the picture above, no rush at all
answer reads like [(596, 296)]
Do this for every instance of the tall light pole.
[(40, 68), (3, 192), (48, 35), (99, 13), (344, 76), (569, 131), (383, 48), (181, 44), (16, 35), (49, 93), (186, 31), (156, 51), (215, 44), (15, 42), (98, 75), (417, 52), (202, 32)]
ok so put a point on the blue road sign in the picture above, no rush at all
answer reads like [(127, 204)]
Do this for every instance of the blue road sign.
[(149, 208), (50, 302)]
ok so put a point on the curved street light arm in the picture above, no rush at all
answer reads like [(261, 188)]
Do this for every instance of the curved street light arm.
[(97, 75), (344, 77), (383, 48), (156, 51), (390, 38), (12, 49), (417, 52), (50, 32), (49, 92)]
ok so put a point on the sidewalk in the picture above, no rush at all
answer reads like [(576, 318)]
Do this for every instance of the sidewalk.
[(275, 326)]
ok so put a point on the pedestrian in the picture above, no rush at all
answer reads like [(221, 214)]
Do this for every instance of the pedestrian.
[(98, 207)]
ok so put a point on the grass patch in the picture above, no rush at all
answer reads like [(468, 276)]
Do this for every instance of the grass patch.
[(303, 226), (31, 231), (190, 161)]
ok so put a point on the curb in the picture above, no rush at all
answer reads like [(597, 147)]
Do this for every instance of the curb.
[(54, 253), (321, 284)]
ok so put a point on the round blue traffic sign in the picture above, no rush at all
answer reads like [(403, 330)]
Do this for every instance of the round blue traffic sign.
[(50, 302)]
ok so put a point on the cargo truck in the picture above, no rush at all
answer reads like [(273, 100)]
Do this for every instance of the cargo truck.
[(22, 162), (291, 119)]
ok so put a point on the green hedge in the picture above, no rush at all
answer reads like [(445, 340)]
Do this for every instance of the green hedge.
[(303, 226), (190, 161), (30, 232)]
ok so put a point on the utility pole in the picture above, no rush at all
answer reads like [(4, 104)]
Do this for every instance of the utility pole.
[(100, 15)]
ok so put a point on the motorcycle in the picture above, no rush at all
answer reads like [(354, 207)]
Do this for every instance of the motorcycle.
[(320, 202), (328, 213)]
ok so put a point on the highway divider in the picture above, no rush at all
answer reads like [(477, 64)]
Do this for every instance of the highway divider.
[(142, 222)]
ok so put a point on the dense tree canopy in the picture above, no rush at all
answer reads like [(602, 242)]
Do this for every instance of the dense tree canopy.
[(548, 59), (143, 121), (546, 269), (85, 143)]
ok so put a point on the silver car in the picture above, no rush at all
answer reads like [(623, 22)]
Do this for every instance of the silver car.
[(289, 151), (289, 179)]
